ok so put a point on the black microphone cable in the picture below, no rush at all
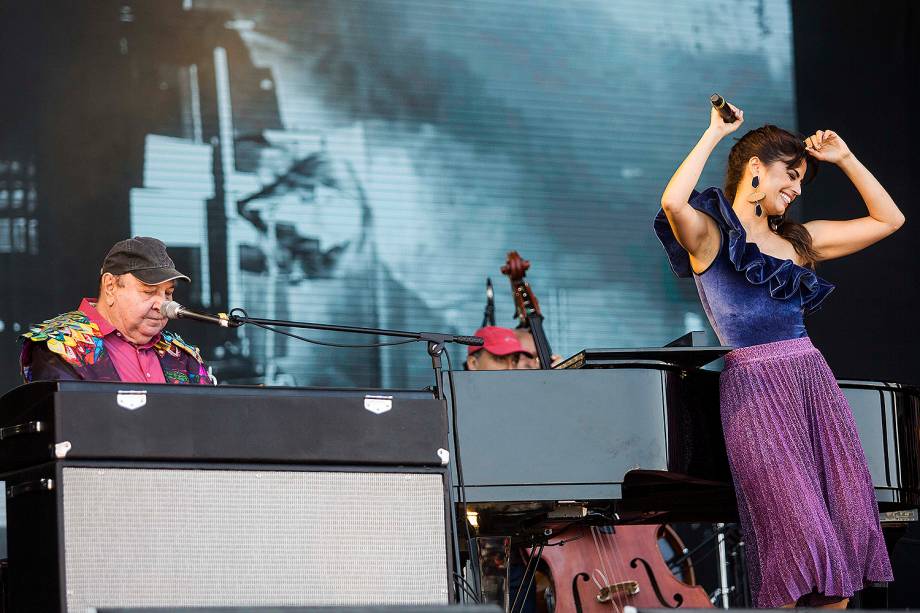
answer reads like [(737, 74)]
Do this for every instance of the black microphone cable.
[(323, 343), (453, 403), (461, 487)]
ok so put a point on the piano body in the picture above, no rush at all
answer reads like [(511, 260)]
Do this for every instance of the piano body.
[(888, 419), (637, 440), (639, 436)]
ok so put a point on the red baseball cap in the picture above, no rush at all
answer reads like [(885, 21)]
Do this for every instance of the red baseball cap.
[(498, 341)]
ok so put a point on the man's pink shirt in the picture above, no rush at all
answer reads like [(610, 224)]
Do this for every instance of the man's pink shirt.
[(134, 363)]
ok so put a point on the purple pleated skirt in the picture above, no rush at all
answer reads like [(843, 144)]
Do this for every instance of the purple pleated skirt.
[(805, 497)]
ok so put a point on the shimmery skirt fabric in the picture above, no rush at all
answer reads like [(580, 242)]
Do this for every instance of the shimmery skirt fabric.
[(805, 497)]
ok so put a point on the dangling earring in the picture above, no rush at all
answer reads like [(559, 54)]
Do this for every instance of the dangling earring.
[(756, 197), (777, 221)]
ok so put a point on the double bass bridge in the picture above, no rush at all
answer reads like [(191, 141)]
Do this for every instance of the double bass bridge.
[(607, 594)]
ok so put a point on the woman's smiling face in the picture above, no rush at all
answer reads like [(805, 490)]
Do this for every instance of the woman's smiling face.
[(781, 185)]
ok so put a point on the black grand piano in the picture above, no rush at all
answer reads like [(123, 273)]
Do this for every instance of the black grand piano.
[(638, 437), (637, 440), (635, 436)]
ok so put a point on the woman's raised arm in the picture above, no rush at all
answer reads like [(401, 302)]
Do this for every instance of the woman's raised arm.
[(835, 239), (695, 231)]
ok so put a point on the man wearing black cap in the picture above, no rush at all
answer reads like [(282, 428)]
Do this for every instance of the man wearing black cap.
[(120, 335)]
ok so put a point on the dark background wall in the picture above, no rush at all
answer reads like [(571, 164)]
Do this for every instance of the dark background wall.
[(856, 66)]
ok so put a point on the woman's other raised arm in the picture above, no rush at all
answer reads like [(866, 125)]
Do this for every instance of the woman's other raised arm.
[(695, 231)]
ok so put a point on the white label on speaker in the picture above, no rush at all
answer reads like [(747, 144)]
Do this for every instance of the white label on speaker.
[(444, 455), (62, 449), (378, 404), (131, 399)]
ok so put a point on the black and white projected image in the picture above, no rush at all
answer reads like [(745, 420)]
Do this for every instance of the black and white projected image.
[(371, 163)]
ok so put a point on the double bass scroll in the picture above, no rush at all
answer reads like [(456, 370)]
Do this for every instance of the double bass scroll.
[(527, 307)]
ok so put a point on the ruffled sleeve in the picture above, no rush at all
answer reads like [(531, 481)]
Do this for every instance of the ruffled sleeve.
[(783, 278), (706, 202)]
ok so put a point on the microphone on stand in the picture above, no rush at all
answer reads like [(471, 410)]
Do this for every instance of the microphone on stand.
[(719, 104), (474, 341), (488, 317), (174, 310)]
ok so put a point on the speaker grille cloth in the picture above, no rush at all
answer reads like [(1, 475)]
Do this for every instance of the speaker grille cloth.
[(163, 537)]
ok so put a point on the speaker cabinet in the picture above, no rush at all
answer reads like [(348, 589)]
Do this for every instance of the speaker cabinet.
[(385, 609), (121, 535)]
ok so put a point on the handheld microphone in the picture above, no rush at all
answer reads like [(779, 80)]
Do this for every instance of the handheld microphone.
[(174, 310), (719, 104)]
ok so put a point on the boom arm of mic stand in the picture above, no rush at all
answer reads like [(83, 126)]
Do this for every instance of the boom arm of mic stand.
[(435, 340)]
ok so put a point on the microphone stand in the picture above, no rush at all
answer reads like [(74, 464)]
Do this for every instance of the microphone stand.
[(435, 340)]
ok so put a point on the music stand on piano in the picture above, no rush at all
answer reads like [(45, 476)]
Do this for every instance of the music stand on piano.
[(687, 352)]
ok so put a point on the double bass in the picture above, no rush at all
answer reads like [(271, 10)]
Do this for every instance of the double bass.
[(526, 305), (594, 568)]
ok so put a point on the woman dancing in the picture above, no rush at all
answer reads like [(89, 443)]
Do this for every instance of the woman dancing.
[(805, 498)]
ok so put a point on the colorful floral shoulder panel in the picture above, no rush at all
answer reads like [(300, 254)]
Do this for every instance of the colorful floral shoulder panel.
[(72, 336)]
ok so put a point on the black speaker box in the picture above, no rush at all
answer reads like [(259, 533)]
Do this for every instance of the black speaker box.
[(401, 609), (192, 496)]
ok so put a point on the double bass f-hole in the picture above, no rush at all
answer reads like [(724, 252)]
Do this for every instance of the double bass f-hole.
[(678, 599), (605, 568)]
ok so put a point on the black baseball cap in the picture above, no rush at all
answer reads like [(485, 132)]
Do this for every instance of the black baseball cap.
[(145, 258)]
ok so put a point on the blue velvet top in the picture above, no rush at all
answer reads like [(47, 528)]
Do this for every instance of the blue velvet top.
[(749, 297)]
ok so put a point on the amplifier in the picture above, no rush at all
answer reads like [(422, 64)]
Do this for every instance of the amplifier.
[(119, 535)]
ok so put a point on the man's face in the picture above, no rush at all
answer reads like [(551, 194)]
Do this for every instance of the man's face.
[(316, 205), (136, 307), (526, 362), (483, 360)]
